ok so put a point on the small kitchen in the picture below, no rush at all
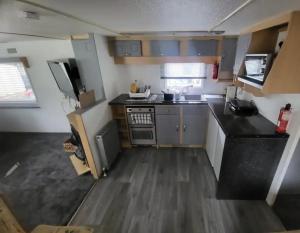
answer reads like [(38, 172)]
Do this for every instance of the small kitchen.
[(157, 130), (243, 146)]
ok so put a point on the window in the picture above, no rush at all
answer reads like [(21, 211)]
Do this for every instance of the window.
[(181, 76), (15, 86)]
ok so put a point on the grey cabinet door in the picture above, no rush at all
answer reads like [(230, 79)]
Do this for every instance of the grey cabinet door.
[(211, 137), (203, 48), (128, 48), (195, 119), (167, 129), (219, 152), (241, 50), (228, 54), (164, 48)]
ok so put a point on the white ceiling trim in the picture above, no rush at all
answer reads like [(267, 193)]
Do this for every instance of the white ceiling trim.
[(231, 14), (31, 35)]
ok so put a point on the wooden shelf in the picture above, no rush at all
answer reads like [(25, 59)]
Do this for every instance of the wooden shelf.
[(119, 114), (171, 59), (283, 77)]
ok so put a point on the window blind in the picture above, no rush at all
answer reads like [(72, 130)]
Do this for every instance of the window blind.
[(183, 71), (15, 86)]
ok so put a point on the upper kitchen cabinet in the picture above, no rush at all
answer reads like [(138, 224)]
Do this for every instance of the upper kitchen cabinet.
[(128, 48), (141, 49), (243, 43), (228, 54), (203, 48), (283, 77), (164, 48)]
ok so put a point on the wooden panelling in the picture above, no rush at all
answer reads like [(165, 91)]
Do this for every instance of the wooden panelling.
[(146, 48), (77, 122), (184, 47), (25, 62), (263, 41), (255, 91), (8, 222), (268, 23), (284, 75), (161, 60), (119, 114), (160, 37)]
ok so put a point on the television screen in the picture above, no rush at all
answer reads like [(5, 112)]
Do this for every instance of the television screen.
[(66, 77)]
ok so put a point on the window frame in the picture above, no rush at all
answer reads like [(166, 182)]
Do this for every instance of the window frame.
[(165, 77), (19, 104), (162, 67)]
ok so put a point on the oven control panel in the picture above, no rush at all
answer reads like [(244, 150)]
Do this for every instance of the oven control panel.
[(141, 119), (140, 115)]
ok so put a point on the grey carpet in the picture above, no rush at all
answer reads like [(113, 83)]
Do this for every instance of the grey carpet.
[(45, 188)]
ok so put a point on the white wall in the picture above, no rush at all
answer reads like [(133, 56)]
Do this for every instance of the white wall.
[(50, 117), (269, 106), (96, 117), (150, 75)]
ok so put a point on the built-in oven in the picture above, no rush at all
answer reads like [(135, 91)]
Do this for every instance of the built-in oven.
[(141, 122)]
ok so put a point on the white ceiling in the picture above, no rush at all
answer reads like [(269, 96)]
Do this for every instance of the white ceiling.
[(134, 16)]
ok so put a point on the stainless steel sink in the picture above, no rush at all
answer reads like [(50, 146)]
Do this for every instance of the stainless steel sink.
[(192, 97)]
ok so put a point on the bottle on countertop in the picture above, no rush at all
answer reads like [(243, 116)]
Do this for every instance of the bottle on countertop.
[(134, 87)]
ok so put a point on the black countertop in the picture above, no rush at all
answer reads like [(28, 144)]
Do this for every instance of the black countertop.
[(232, 125), (124, 99), (242, 126)]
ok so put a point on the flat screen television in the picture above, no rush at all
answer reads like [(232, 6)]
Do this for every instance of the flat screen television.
[(65, 73)]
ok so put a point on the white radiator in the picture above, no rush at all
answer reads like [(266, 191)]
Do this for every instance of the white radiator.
[(108, 144)]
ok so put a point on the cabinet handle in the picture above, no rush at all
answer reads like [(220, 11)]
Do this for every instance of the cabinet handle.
[(177, 128), (184, 128)]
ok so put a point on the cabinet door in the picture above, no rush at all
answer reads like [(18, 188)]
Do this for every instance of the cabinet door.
[(219, 152), (203, 48), (211, 137), (128, 48), (228, 54), (167, 129), (164, 48), (241, 50), (195, 119)]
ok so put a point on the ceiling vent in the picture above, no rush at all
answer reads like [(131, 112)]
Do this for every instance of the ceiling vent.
[(29, 15), (11, 50)]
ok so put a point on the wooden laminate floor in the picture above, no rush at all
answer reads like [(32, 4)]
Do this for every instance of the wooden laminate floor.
[(169, 190)]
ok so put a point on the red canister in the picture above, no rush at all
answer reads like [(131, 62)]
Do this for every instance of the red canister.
[(283, 119)]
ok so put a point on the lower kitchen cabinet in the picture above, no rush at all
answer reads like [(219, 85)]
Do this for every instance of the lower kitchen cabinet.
[(220, 142), (167, 129), (211, 137), (244, 166), (181, 125), (194, 124), (215, 141)]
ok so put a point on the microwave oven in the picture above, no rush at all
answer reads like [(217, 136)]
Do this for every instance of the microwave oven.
[(257, 67)]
